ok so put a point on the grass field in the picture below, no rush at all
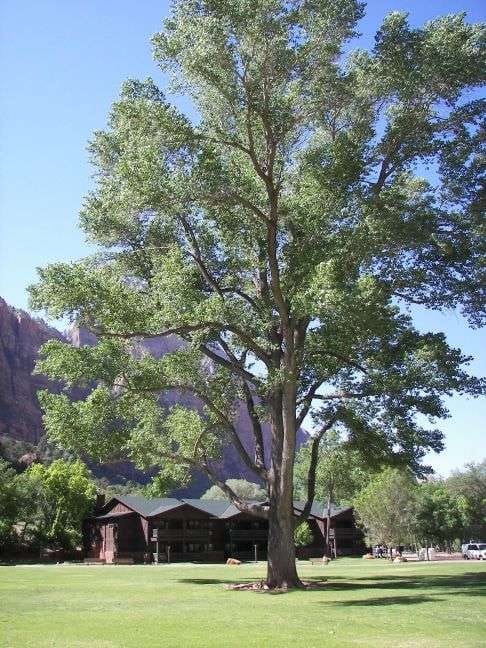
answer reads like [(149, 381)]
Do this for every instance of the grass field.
[(374, 604)]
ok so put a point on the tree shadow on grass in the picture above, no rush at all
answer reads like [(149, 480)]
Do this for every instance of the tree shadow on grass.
[(384, 600), (435, 586), (462, 582), (214, 581)]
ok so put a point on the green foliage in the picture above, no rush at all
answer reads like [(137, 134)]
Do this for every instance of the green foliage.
[(340, 471), (61, 496), (469, 484), (111, 489), (303, 535), (12, 502), (386, 508), (169, 478), (282, 236), (11, 450), (244, 489), (440, 517)]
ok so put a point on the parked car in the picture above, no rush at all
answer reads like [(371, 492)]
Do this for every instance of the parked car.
[(474, 550)]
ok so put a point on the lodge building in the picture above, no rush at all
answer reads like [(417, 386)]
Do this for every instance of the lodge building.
[(134, 527)]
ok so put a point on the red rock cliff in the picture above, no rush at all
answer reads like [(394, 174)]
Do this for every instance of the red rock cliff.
[(20, 338)]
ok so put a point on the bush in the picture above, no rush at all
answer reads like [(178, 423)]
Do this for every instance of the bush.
[(303, 535)]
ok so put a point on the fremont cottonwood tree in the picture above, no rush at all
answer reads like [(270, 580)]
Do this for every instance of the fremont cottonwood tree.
[(282, 235)]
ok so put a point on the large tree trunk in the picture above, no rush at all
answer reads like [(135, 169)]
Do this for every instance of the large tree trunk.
[(281, 570)]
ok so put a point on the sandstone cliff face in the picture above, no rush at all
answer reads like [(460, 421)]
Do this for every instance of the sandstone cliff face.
[(20, 338), (20, 417)]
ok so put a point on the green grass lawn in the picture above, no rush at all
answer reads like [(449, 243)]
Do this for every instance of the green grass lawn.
[(374, 604)]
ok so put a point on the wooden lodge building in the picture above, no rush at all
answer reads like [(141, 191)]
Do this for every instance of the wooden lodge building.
[(140, 529)]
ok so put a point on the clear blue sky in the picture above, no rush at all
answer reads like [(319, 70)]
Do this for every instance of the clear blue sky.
[(61, 66)]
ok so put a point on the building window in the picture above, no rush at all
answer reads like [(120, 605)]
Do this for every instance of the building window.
[(199, 547), (198, 524)]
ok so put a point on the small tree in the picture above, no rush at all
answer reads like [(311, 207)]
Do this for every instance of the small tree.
[(385, 508), (282, 236), (63, 494), (440, 517), (338, 474), (303, 535), (247, 491), (470, 485)]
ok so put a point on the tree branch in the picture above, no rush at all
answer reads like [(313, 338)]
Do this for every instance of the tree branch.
[(256, 427), (250, 405), (249, 205), (251, 508), (386, 168), (307, 402), (343, 358), (184, 329), (258, 470), (223, 418), (176, 330), (197, 256), (244, 296), (246, 507), (311, 479), (340, 396), (235, 368)]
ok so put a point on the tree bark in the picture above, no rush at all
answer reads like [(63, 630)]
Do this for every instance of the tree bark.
[(281, 567)]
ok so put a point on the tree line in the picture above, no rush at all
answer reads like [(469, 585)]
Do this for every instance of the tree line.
[(44, 505), (394, 506)]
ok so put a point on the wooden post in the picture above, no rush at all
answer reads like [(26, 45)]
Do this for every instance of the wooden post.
[(184, 539), (256, 552)]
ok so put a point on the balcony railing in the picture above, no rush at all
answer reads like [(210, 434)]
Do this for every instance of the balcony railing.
[(345, 533), (238, 535), (189, 556), (184, 534)]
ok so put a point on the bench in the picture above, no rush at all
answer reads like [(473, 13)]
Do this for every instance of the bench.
[(123, 561), (319, 561)]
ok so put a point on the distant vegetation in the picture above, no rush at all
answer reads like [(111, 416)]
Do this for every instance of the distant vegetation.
[(244, 489), (394, 509), (44, 506)]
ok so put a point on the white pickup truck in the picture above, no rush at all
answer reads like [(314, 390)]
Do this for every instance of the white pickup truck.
[(474, 550)]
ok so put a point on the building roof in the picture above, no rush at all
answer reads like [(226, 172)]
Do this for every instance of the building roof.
[(221, 509), (318, 509), (213, 507), (147, 507), (119, 514)]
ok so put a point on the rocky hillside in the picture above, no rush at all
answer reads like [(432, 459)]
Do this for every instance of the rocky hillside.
[(20, 417), (20, 338)]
